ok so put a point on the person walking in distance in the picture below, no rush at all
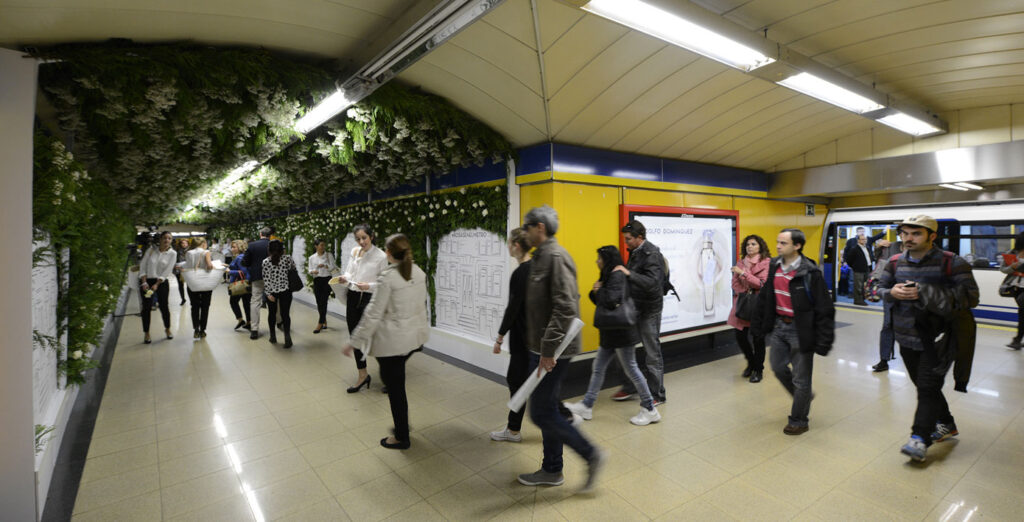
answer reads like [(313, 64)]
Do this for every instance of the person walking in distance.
[(255, 253), (238, 272), (644, 272), (279, 297), (795, 311), (365, 265), (553, 297), (858, 255), (748, 276), (321, 266), (514, 325), (929, 289), (155, 269)]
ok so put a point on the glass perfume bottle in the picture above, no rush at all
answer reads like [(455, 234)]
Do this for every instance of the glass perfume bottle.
[(708, 269)]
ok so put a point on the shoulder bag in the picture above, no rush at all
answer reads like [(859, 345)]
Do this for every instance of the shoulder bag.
[(294, 281), (623, 315), (240, 287), (745, 303)]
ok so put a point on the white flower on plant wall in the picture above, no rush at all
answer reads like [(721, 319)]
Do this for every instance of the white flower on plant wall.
[(484, 213)]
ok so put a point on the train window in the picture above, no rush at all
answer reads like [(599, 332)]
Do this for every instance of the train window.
[(981, 243)]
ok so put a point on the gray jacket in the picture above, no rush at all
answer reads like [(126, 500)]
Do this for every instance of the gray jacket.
[(552, 300)]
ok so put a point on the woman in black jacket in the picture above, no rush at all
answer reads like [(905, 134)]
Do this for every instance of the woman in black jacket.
[(514, 324), (610, 292)]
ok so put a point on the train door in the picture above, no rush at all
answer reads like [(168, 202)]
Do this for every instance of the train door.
[(880, 237)]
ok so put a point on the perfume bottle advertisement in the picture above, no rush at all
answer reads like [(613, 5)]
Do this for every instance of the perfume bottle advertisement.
[(700, 251)]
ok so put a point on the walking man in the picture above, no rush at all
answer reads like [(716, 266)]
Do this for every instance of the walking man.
[(645, 271), (930, 290), (857, 255), (554, 301), (253, 260), (795, 313)]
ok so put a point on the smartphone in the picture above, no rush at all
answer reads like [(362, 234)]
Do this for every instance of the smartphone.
[(910, 284)]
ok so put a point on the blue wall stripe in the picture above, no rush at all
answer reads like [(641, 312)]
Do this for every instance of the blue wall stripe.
[(989, 314)]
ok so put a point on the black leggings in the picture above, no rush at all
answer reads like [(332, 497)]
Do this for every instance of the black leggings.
[(147, 305), (1020, 315), (244, 299), (322, 292), (755, 354), (357, 302), (392, 372), (181, 288), (200, 302), (282, 301), (518, 371)]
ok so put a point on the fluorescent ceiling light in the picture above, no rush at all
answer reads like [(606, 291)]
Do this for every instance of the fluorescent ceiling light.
[(811, 85), (971, 186), (323, 111), (954, 187), (673, 29), (909, 124), (236, 174)]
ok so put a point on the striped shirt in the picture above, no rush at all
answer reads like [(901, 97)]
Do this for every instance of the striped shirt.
[(783, 300)]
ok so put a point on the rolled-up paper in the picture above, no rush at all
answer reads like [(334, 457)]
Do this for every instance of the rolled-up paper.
[(519, 399), (340, 290)]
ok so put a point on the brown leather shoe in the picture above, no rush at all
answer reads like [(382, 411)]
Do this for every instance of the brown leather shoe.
[(794, 430)]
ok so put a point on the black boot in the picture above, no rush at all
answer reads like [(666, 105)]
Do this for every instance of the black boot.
[(1015, 343), (287, 339), (273, 333)]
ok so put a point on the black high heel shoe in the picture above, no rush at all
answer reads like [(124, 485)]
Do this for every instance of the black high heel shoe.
[(240, 324), (366, 382), (318, 328)]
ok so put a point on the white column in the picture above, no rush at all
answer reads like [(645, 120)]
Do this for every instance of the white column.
[(17, 460)]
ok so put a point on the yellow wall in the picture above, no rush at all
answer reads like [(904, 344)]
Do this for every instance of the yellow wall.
[(589, 218)]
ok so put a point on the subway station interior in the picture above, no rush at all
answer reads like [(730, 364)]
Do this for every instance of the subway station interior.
[(448, 121)]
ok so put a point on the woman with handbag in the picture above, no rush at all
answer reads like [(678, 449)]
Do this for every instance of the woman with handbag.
[(276, 283), (155, 269), (1012, 264), (395, 324), (364, 266), (196, 259), (238, 284), (321, 267), (615, 319), (748, 276)]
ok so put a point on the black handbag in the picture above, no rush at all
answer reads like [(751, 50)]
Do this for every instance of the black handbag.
[(294, 281), (1006, 288), (745, 303), (623, 316)]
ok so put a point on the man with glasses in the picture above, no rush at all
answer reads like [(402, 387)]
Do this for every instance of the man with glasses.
[(645, 271)]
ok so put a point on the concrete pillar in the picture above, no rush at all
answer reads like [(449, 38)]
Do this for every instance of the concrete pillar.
[(17, 448)]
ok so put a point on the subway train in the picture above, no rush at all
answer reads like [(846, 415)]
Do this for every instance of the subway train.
[(979, 232)]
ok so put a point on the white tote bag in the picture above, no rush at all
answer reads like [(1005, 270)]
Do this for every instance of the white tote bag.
[(201, 280)]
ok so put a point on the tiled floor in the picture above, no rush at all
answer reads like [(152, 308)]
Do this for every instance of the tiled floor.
[(234, 429)]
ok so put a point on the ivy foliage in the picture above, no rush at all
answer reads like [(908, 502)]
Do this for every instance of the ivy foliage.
[(162, 125), (77, 212), (424, 219)]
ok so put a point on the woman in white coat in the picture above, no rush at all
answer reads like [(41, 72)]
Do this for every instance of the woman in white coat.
[(360, 279), (394, 326)]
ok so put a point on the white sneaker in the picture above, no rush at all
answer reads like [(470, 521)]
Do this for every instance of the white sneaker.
[(506, 435), (577, 420), (646, 417), (580, 409)]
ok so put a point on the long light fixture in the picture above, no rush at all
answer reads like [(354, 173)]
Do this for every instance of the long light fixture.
[(971, 186), (909, 124), (676, 30), (328, 108), (954, 187), (826, 91)]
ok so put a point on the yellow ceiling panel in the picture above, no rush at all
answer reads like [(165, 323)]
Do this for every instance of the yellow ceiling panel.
[(728, 124), (502, 51), (767, 135), (515, 18), (577, 47), (980, 98), (954, 69), (481, 104), (757, 127), (555, 19), (646, 75), (807, 32), (504, 88), (597, 75), (808, 135)]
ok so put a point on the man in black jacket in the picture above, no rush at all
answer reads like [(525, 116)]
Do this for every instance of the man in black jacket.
[(858, 255), (795, 309), (645, 271), (253, 260)]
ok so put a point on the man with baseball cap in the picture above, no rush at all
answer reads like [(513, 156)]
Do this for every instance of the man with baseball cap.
[(929, 289)]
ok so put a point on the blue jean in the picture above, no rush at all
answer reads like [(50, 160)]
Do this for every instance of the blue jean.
[(555, 429), (797, 381), (627, 358), (886, 337), (650, 359)]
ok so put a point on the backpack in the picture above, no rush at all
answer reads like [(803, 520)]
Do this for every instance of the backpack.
[(666, 283)]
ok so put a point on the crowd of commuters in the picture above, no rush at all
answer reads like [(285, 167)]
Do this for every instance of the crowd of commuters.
[(781, 303)]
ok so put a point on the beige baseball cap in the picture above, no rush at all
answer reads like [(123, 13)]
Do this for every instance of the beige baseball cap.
[(921, 220)]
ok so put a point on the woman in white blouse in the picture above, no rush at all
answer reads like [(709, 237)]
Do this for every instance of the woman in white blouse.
[(321, 266), (275, 283), (395, 326), (360, 278), (155, 269), (198, 258)]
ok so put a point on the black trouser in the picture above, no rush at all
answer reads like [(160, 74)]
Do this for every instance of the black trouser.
[(755, 353), (356, 305), (931, 404), (322, 292), (858, 287), (244, 298), (1020, 314), (147, 305), (518, 371), (282, 301), (181, 288), (200, 302), (392, 372)]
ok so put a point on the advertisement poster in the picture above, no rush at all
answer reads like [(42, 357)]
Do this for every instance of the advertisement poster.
[(471, 283), (700, 250)]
